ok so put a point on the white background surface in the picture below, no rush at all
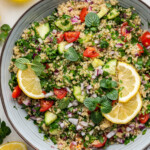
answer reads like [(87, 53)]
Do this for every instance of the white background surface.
[(9, 14)]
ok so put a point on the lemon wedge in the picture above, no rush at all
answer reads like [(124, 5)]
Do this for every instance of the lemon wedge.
[(13, 146), (123, 113), (30, 83), (129, 81)]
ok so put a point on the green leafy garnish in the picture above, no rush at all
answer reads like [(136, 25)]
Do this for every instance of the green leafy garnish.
[(63, 103), (104, 44), (36, 65), (92, 19), (113, 94), (71, 54), (4, 30), (4, 131), (96, 117), (107, 83)]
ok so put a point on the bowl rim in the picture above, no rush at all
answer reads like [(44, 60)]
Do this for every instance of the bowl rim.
[(1, 55)]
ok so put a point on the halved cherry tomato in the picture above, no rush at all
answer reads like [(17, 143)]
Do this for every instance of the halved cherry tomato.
[(60, 93), (16, 92), (145, 39), (71, 36), (143, 118), (44, 92), (124, 29), (83, 13), (140, 49), (98, 144), (60, 38), (45, 105), (90, 52), (113, 102)]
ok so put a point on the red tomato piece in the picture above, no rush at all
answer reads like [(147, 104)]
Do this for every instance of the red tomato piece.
[(90, 52), (98, 144), (60, 38), (140, 49), (71, 36), (47, 66), (114, 102), (16, 92), (145, 39), (143, 118), (45, 105), (124, 29), (60, 93), (44, 92), (83, 14)]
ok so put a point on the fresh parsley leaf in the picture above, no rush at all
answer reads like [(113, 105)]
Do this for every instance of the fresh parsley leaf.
[(104, 44), (106, 106), (92, 19), (113, 94), (71, 54), (21, 63), (63, 103), (134, 40), (96, 117), (4, 131), (91, 103)]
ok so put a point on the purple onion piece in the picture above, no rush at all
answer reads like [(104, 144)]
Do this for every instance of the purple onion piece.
[(35, 54)]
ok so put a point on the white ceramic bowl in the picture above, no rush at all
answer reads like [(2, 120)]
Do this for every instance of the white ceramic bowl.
[(26, 129)]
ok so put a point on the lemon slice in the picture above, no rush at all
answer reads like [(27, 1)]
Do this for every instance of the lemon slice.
[(13, 146), (123, 113), (30, 83), (129, 81)]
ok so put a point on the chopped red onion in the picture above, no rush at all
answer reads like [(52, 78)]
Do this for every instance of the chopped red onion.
[(33, 117), (120, 130), (82, 86), (91, 132), (62, 125), (136, 54), (83, 123), (40, 40), (128, 31), (93, 77), (148, 47), (56, 72), (73, 143), (132, 125), (35, 54), (70, 9), (96, 41), (121, 141), (92, 124), (79, 113), (89, 87), (68, 90), (90, 8), (111, 134), (144, 82), (79, 127), (82, 93), (39, 49), (83, 133), (112, 52), (33, 109), (26, 102), (99, 71), (75, 110), (73, 121), (119, 45), (94, 95), (54, 31), (141, 126), (70, 105), (128, 129), (39, 119), (75, 19), (68, 45), (75, 103), (69, 114), (49, 94), (87, 91)]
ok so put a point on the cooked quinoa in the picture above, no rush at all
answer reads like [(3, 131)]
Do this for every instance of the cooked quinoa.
[(75, 126)]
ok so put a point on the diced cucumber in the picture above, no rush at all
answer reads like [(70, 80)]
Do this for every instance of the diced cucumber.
[(97, 62), (77, 93), (50, 117), (64, 24), (85, 38), (110, 67), (61, 47), (43, 30), (104, 10), (55, 131), (113, 14)]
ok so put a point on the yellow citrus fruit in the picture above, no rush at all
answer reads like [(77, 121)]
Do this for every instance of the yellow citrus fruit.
[(13, 146), (19, 1), (30, 83), (123, 113), (129, 81)]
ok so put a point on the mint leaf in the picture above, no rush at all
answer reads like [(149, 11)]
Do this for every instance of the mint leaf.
[(96, 117), (71, 54), (21, 63), (92, 19), (105, 105), (113, 94), (63, 103), (108, 83), (91, 103), (5, 28), (37, 67), (37, 59)]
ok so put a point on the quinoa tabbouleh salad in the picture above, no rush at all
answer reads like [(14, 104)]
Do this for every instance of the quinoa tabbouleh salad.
[(82, 75)]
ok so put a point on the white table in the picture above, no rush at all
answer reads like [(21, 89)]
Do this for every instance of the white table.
[(9, 14)]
